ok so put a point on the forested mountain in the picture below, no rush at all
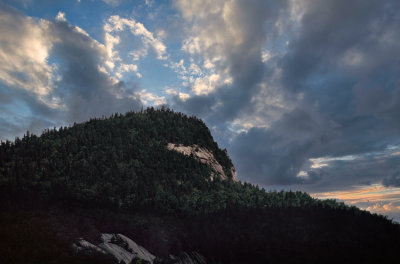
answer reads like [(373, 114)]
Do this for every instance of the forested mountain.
[(117, 175)]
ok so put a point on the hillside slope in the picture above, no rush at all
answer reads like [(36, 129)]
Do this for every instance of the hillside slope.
[(122, 160), (158, 177)]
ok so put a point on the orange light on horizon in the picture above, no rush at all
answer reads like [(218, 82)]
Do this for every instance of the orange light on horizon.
[(374, 198)]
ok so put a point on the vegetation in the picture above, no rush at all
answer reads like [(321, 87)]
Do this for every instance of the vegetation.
[(116, 175)]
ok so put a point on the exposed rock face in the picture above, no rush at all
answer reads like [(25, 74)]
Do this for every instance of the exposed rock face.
[(125, 250), (204, 156), (82, 244), (122, 248)]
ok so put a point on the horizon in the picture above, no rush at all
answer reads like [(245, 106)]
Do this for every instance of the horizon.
[(304, 95)]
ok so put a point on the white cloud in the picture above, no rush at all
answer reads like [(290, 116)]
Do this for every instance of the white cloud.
[(383, 208), (191, 45), (149, 98), (116, 24), (214, 32), (61, 16), (205, 85), (195, 69), (112, 55), (265, 56), (201, 81), (217, 27), (81, 31), (171, 91), (208, 64), (24, 55), (303, 175), (113, 61), (179, 68), (324, 161), (183, 96), (390, 209), (126, 68)]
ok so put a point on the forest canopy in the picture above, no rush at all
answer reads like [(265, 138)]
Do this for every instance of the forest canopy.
[(119, 168)]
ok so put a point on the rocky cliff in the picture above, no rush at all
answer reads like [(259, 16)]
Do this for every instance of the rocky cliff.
[(205, 156)]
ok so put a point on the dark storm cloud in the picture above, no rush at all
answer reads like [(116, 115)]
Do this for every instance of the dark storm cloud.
[(197, 105), (332, 30), (393, 180), (274, 156), (342, 62), (244, 61), (364, 170)]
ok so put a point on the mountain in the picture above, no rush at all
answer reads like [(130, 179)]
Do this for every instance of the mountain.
[(154, 187)]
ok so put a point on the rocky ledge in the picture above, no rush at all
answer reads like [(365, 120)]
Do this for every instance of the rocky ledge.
[(205, 156), (126, 251)]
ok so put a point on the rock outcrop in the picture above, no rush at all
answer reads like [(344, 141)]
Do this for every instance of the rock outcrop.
[(204, 156), (122, 248)]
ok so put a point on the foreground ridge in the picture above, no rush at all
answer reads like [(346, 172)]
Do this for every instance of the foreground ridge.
[(80, 194)]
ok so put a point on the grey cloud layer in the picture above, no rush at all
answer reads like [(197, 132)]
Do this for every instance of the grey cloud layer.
[(338, 77), (240, 30), (87, 91)]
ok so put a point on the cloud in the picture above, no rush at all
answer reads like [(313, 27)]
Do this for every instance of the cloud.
[(385, 208), (148, 98), (393, 180), (61, 16), (390, 209), (24, 53), (227, 37), (117, 24), (309, 80), (275, 155), (177, 95), (86, 89), (73, 89), (375, 198), (341, 36), (202, 80), (114, 39)]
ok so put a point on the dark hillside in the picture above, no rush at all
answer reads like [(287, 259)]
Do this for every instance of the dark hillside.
[(116, 175), (121, 161)]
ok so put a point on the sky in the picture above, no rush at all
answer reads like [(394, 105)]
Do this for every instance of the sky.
[(304, 94)]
